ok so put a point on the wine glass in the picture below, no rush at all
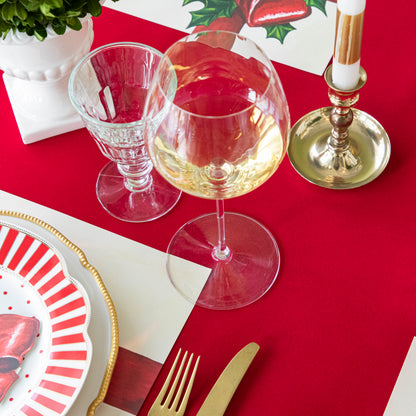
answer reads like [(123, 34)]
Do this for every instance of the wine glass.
[(108, 88), (223, 133)]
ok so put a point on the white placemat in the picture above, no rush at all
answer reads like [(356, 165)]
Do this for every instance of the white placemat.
[(402, 401)]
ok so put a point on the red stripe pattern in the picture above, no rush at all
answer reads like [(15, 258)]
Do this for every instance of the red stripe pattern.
[(58, 387), (68, 339), (26, 243), (49, 403), (50, 264), (29, 411), (70, 352), (42, 249), (7, 243), (64, 371)]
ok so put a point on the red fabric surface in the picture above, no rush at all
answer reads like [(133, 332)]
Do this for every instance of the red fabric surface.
[(335, 328), (132, 379)]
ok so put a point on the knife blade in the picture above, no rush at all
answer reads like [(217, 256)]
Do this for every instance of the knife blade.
[(223, 390)]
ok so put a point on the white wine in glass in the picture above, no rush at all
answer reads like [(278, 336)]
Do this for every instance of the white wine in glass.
[(223, 134)]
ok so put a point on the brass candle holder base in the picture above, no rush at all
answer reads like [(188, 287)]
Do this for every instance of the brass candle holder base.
[(339, 147)]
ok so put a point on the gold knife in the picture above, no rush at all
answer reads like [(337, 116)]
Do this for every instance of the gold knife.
[(224, 388)]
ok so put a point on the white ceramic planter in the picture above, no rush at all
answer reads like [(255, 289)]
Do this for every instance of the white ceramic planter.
[(36, 78)]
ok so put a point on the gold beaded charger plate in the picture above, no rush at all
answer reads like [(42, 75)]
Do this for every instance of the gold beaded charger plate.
[(66, 369)]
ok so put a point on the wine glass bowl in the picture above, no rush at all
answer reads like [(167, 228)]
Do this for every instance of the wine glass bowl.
[(216, 152), (223, 133), (108, 88)]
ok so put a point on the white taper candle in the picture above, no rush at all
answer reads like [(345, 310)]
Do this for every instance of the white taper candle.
[(347, 49)]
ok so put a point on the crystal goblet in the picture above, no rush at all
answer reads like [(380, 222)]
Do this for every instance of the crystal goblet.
[(223, 133), (108, 88)]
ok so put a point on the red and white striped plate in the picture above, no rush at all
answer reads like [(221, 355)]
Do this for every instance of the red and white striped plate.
[(34, 281)]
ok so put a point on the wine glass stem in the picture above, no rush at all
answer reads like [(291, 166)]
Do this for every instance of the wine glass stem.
[(221, 251), (137, 177)]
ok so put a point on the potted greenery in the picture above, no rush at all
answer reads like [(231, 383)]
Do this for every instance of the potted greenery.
[(33, 17), (40, 43)]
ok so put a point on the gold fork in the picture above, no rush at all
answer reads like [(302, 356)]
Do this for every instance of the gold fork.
[(169, 406)]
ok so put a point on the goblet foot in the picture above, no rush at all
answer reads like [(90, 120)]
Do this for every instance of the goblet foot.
[(139, 206), (240, 279), (364, 158)]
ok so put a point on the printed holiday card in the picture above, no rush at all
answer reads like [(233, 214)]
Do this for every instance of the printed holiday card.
[(298, 33)]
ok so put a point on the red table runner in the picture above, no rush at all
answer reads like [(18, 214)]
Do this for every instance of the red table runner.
[(335, 328)]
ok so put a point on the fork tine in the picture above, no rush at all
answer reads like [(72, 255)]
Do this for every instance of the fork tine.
[(189, 387), (185, 375), (165, 386), (175, 382), (166, 402)]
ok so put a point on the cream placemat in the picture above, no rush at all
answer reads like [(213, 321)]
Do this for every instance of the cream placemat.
[(403, 398)]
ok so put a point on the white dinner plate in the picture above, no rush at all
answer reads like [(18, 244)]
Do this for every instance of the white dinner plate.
[(34, 283), (44, 275)]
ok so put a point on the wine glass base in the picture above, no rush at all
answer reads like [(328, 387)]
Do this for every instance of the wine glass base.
[(147, 205), (245, 276), (364, 160)]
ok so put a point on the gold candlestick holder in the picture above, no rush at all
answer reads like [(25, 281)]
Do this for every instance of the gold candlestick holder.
[(339, 147)]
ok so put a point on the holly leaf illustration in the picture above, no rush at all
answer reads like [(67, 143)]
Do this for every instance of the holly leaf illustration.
[(319, 4), (212, 10), (279, 31), (185, 2)]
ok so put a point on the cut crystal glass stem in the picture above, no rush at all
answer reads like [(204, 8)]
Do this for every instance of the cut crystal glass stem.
[(137, 177)]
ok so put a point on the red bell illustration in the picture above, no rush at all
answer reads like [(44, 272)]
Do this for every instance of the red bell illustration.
[(273, 12)]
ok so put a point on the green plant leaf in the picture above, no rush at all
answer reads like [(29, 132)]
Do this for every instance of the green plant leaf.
[(59, 13), (40, 33), (30, 21), (279, 31), (73, 13), (5, 32), (54, 4), (212, 10), (15, 21), (3, 25), (59, 27), (8, 11), (319, 4), (21, 12), (30, 5), (45, 8), (75, 4), (74, 23), (94, 7)]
